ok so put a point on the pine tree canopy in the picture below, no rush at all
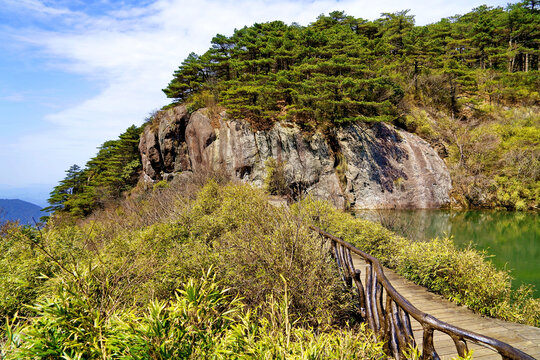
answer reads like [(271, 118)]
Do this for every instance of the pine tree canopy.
[(341, 69)]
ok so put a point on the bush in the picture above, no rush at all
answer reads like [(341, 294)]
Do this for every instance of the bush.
[(464, 276), (202, 321), (203, 99), (254, 243), (103, 272), (111, 282), (275, 182), (21, 265)]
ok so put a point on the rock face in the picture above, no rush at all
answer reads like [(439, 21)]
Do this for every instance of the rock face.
[(362, 166)]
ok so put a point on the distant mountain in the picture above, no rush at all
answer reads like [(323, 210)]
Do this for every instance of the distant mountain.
[(23, 211), (34, 193)]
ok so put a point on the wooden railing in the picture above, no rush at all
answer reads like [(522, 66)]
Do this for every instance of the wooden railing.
[(389, 316)]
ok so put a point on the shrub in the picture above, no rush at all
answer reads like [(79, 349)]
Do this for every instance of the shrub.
[(104, 271), (464, 276), (202, 321), (163, 184), (21, 265), (369, 236), (275, 182), (253, 244), (204, 99)]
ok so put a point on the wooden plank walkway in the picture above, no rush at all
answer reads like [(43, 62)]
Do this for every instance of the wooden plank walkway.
[(523, 337)]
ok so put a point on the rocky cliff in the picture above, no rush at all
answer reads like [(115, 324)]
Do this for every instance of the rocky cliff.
[(360, 165)]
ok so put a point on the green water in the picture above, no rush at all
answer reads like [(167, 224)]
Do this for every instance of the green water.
[(512, 239)]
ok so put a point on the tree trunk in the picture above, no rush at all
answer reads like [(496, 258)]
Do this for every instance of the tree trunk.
[(453, 98), (416, 79), (483, 60), (511, 59)]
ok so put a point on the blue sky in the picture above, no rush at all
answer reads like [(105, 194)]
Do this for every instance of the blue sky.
[(75, 73)]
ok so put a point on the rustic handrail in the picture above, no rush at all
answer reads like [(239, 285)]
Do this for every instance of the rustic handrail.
[(390, 319)]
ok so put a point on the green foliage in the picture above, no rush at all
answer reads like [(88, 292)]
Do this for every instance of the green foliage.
[(120, 285), (314, 75), (202, 99), (202, 321), (162, 184), (191, 325), (446, 81), (232, 219), (112, 171), (464, 276), (494, 158), (107, 287), (21, 267), (368, 236), (275, 182), (340, 68), (188, 78), (417, 121), (66, 325), (72, 184)]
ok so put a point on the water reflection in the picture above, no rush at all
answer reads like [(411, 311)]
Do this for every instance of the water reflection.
[(513, 238)]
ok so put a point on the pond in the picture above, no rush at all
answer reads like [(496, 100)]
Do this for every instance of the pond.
[(512, 239)]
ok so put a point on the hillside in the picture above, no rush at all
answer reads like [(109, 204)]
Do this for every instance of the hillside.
[(18, 210), (467, 84), (186, 271)]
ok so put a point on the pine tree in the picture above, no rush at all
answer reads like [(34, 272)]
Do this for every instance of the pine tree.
[(188, 79), (71, 185), (106, 176)]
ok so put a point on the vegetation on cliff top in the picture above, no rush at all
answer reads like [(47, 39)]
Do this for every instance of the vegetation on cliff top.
[(340, 68), (468, 84)]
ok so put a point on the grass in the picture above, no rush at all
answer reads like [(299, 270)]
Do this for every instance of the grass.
[(203, 320)]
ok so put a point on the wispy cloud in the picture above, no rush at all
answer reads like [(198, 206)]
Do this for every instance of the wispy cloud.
[(38, 7), (13, 97)]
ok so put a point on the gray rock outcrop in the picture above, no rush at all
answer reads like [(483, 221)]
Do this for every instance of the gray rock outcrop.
[(363, 166)]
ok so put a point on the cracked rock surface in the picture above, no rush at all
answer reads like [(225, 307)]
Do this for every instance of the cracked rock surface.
[(366, 166)]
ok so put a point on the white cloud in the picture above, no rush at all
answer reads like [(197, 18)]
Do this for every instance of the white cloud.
[(38, 7), (17, 97), (132, 53)]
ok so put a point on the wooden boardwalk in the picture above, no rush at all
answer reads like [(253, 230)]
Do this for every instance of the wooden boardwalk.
[(523, 337)]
